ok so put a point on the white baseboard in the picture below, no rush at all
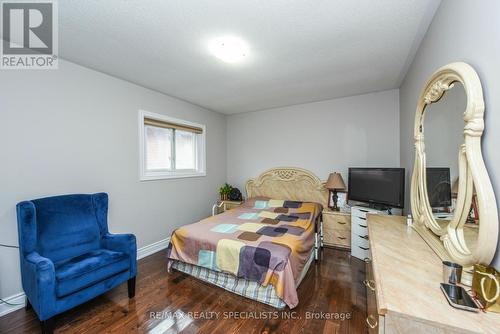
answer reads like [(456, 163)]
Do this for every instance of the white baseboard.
[(20, 298), (152, 248)]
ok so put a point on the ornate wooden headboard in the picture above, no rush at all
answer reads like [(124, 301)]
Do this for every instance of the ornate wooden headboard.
[(288, 183)]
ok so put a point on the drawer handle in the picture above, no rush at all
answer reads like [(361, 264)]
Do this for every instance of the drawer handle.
[(342, 238), (363, 210), (362, 218), (370, 284), (371, 321), (364, 248), (363, 237), (363, 226), (341, 223), (367, 260)]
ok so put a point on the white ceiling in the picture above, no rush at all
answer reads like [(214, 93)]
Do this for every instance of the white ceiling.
[(300, 50)]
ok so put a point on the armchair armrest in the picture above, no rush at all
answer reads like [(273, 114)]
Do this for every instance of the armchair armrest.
[(41, 264), (39, 279), (123, 243)]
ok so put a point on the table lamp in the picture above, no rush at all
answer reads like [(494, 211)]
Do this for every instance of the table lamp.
[(334, 183)]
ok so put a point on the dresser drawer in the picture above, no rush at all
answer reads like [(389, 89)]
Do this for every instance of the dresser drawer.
[(337, 222), (342, 222), (361, 212), (360, 246), (360, 217), (359, 226), (360, 251), (339, 238), (374, 322), (360, 240), (369, 269), (336, 229)]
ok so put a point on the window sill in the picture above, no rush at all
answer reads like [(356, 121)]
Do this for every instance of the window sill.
[(152, 177)]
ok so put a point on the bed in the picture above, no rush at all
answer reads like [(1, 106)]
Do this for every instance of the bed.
[(262, 249)]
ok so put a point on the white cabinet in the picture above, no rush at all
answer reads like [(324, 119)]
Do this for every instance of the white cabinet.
[(360, 246)]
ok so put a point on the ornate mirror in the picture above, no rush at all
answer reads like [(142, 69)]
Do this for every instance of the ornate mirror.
[(452, 199)]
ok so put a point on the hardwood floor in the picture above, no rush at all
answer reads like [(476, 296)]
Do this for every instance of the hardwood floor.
[(332, 288)]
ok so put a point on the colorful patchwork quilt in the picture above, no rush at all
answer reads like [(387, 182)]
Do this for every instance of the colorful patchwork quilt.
[(264, 240)]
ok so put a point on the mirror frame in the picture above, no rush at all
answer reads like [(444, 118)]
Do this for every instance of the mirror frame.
[(450, 241)]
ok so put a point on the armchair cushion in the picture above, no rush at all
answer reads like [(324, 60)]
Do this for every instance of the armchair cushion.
[(66, 226), (87, 269)]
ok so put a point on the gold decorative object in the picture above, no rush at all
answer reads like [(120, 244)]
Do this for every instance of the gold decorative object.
[(486, 285)]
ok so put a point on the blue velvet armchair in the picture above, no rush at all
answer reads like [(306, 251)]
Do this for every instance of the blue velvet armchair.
[(68, 255)]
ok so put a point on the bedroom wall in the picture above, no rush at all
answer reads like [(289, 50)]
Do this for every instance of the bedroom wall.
[(466, 31), (74, 130), (322, 136)]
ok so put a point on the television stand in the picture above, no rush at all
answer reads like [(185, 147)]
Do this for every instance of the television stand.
[(360, 247), (380, 207)]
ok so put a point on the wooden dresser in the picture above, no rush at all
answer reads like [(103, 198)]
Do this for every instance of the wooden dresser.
[(402, 285), (360, 247), (337, 229)]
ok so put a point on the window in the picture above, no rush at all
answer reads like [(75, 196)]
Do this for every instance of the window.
[(170, 148)]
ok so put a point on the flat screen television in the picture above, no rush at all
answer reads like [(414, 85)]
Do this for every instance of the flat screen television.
[(377, 186), (438, 186)]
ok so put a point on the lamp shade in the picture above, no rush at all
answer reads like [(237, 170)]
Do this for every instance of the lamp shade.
[(335, 182)]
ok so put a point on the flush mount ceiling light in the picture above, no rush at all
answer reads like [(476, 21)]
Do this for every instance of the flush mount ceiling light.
[(229, 49)]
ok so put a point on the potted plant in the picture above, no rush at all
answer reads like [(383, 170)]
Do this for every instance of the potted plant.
[(224, 192)]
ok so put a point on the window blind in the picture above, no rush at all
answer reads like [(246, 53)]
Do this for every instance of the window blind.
[(169, 125)]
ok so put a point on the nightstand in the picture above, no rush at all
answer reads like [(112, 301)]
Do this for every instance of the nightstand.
[(336, 229), (227, 205)]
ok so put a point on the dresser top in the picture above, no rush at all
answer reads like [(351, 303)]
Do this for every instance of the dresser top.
[(331, 212), (407, 275)]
